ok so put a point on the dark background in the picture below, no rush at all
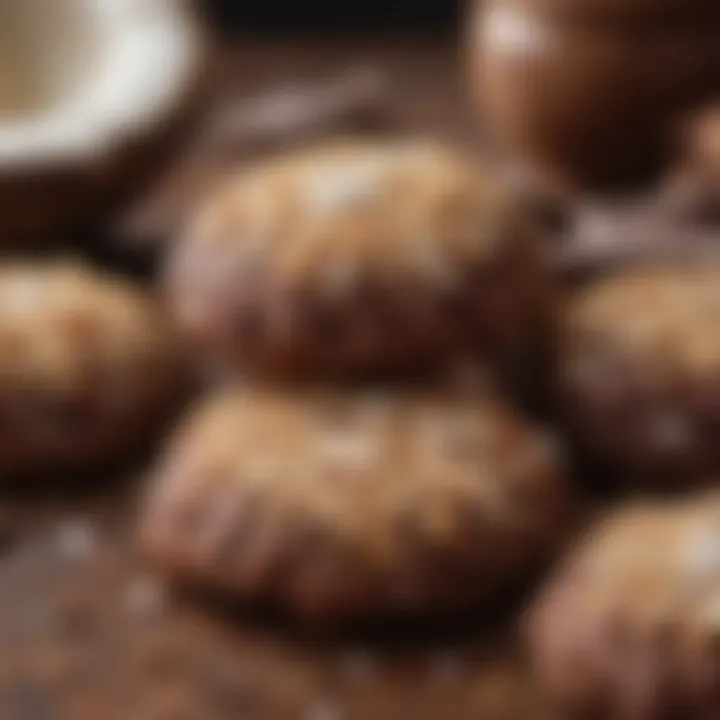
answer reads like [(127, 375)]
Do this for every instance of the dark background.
[(239, 16)]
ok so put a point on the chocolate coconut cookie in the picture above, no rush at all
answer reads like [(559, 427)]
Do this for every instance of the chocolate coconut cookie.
[(359, 257), (87, 367), (641, 374), (332, 506), (629, 627)]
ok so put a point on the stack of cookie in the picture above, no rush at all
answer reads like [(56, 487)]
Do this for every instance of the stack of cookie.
[(337, 474)]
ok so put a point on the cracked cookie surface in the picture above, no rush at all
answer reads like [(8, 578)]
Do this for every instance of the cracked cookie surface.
[(640, 373), (88, 366), (331, 506), (629, 627), (357, 257)]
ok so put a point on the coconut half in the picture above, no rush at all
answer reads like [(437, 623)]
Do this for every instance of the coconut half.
[(89, 92)]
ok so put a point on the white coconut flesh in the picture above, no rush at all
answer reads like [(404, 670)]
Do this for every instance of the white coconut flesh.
[(78, 78)]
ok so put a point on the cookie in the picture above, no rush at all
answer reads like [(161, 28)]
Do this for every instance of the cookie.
[(88, 365), (360, 257), (640, 374), (629, 626), (331, 506)]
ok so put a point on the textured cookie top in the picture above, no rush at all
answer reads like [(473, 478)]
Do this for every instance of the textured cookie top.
[(658, 316), (64, 328), (362, 258), (385, 501), (398, 206), (656, 562), (638, 607), (369, 463)]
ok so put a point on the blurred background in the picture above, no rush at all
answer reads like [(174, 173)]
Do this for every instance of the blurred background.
[(234, 16)]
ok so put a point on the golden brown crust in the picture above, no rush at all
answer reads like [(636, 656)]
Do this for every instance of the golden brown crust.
[(87, 364), (332, 505), (641, 372), (629, 627), (360, 256)]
